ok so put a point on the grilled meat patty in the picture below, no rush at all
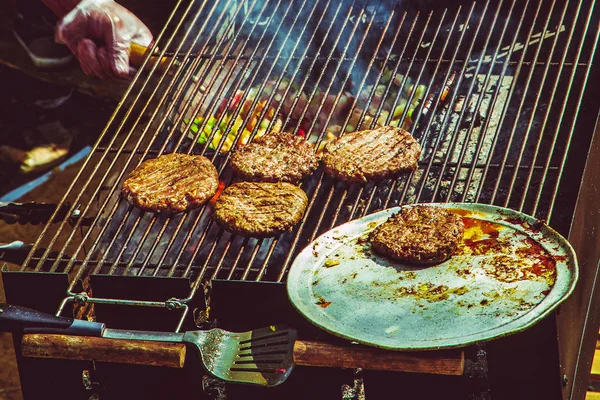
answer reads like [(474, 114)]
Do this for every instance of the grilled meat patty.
[(275, 157), (171, 182), (371, 155), (419, 235), (260, 209)]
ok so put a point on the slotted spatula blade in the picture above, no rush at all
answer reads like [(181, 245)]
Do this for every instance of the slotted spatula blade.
[(261, 357)]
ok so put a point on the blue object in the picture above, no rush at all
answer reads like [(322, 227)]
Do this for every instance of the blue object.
[(17, 193)]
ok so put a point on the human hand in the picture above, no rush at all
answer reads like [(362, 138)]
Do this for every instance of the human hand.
[(100, 33)]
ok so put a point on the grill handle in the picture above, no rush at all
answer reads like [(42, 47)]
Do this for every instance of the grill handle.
[(17, 319)]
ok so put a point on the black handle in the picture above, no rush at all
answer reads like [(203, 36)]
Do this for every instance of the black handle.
[(21, 319), (36, 213)]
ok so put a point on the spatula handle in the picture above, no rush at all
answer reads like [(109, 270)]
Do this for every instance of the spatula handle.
[(21, 319)]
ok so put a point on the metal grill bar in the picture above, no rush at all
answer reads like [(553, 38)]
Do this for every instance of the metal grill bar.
[(477, 106), (446, 120), (495, 199), (188, 237), (329, 60), (405, 113), (311, 201), (252, 107), (220, 233), (563, 160), (163, 120), (303, 114), (510, 95), (79, 175), (360, 122), (287, 121), (103, 179), (547, 166), (139, 142), (313, 198), (437, 102), (493, 103), (149, 228), (535, 107)]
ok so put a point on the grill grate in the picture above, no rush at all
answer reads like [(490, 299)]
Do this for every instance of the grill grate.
[(501, 86)]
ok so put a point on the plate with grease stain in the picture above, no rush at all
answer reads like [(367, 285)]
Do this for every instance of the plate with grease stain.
[(509, 272)]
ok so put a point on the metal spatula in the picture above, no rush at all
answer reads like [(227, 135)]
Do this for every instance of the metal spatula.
[(260, 357)]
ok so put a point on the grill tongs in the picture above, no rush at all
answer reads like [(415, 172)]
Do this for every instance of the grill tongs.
[(260, 357)]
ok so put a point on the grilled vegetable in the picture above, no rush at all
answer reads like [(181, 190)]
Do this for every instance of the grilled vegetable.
[(385, 103)]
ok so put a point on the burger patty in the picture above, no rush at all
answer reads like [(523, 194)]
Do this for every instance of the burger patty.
[(275, 157), (171, 182), (419, 235), (260, 209), (371, 155)]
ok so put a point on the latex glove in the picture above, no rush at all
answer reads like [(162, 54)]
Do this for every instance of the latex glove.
[(99, 33)]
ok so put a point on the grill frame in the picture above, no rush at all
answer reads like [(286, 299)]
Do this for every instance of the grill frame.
[(446, 69), (149, 98), (133, 108)]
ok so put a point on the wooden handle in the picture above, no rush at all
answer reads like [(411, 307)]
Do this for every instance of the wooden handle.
[(144, 352), (315, 354)]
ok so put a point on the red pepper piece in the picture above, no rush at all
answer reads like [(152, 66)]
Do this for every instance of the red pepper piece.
[(236, 100), (219, 191)]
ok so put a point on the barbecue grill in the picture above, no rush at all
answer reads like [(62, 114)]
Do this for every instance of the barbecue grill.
[(499, 94)]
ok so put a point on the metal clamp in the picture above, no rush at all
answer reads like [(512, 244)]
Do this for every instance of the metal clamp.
[(81, 298), (174, 304)]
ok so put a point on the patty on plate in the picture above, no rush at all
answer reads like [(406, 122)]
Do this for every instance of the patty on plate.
[(260, 209), (275, 157), (419, 235), (371, 155), (172, 183)]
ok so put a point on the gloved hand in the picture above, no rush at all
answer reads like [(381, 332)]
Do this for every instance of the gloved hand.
[(99, 33)]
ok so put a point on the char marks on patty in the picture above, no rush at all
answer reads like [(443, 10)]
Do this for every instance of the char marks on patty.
[(371, 155), (275, 157), (171, 183), (260, 209), (419, 235)]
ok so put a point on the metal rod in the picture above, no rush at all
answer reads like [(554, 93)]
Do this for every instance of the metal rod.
[(105, 175), (528, 185), (366, 107), (563, 159), (493, 102), (398, 96), (528, 133), (469, 95), (87, 160), (505, 108), (438, 101), (111, 214), (519, 111), (239, 108), (446, 118), (337, 40)]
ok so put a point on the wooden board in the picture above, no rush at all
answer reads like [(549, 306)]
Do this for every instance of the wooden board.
[(307, 353), (142, 352)]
